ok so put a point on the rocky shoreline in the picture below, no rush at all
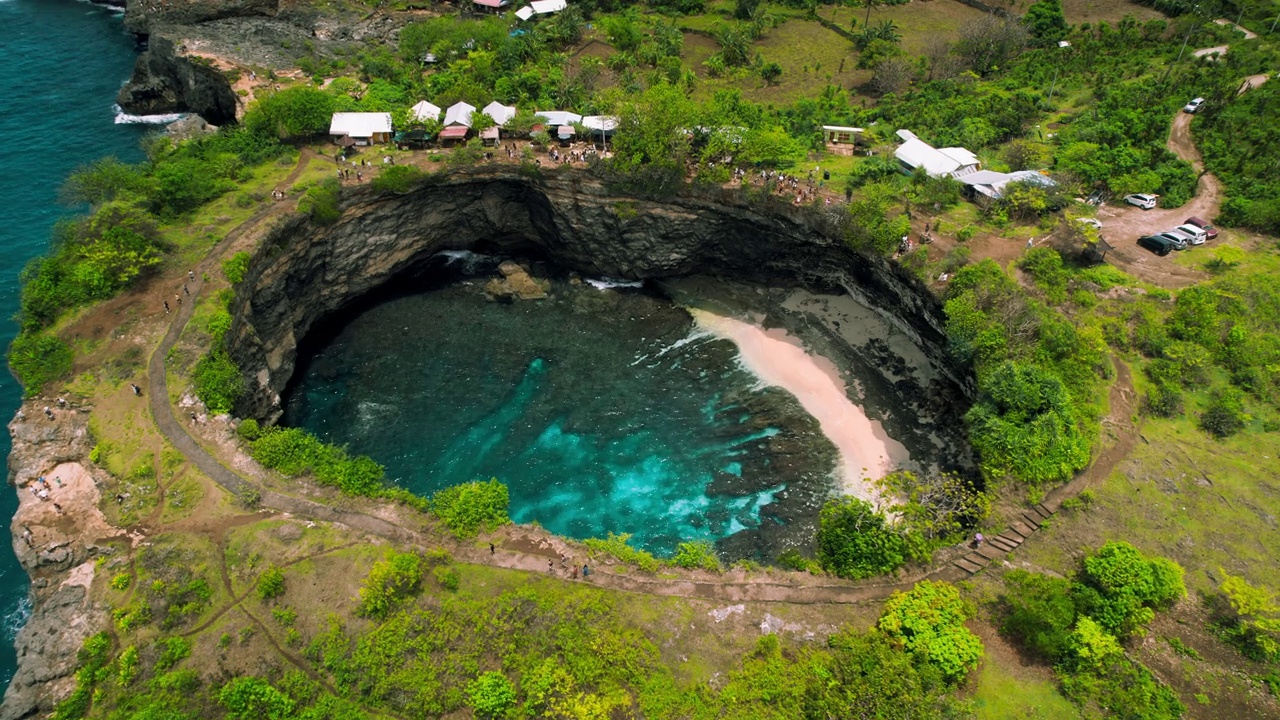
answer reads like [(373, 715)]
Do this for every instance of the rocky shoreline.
[(58, 540)]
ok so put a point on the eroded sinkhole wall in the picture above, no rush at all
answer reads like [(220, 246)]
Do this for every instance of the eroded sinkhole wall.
[(302, 274)]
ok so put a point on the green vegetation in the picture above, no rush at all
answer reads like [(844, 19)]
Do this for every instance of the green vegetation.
[(218, 382), (398, 179), (294, 451), (270, 583), (1078, 625), (471, 508), (617, 547), (235, 267), (928, 622), (37, 359), (700, 554), (855, 541), (393, 579)]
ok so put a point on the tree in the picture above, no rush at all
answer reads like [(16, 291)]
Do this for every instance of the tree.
[(771, 71), (988, 42), (296, 112), (1225, 415), (892, 75), (394, 578), (492, 694), (37, 359), (103, 180), (928, 622), (745, 9), (854, 542), (1038, 612), (1046, 22), (468, 508)]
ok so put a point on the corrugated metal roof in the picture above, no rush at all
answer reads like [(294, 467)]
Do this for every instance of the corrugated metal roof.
[(918, 153), (455, 132)]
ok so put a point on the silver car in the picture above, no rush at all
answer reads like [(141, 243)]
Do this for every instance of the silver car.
[(1197, 235)]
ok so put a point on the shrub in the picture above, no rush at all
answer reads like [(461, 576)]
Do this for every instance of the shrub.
[(616, 546), (271, 583), (1119, 587), (397, 179), (928, 622), (1038, 612), (172, 650), (1164, 400), (854, 542), (249, 429), (38, 359), (294, 451), (392, 579), (236, 266), (469, 508), (447, 576), (217, 382), (491, 694), (699, 554), (321, 203), (1225, 415), (299, 111), (251, 698)]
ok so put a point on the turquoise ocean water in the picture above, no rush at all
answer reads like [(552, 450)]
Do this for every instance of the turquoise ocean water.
[(61, 66)]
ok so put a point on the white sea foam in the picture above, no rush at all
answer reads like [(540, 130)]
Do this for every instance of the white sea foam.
[(470, 261), (608, 283), (124, 118), (13, 620)]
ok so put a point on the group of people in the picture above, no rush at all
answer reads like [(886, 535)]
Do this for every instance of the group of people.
[(345, 174), (41, 489), (564, 565)]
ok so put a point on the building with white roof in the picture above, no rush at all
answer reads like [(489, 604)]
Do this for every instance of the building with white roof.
[(524, 13), (990, 185), (559, 117), (459, 113), (545, 7), (915, 153), (425, 111), (364, 128), (499, 112)]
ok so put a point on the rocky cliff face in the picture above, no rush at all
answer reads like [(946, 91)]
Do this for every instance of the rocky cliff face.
[(302, 272), (58, 533), (163, 82), (143, 16)]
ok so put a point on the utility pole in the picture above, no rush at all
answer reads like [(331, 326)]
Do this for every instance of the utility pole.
[(1194, 11), (1063, 44)]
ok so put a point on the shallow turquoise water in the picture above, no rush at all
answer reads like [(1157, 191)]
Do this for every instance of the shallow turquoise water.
[(61, 66), (603, 411)]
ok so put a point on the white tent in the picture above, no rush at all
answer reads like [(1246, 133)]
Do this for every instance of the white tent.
[(425, 111), (558, 117), (499, 112), (524, 13), (459, 113), (600, 124)]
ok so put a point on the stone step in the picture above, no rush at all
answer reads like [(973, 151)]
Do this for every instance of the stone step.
[(1031, 518), (969, 567), (977, 559), (1003, 543), (1010, 538), (1021, 529), (989, 552), (1044, 511)]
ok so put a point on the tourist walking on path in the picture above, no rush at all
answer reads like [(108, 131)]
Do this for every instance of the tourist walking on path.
[(585, 572)]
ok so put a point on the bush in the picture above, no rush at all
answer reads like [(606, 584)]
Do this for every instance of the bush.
[(295, 112), (700, 554), (397, 179), (294, 451), (1039, 613), (271, 583), (251, 698), (38, 359), (1119, 588), (1164, 400), (616, 546), (321, 203), (1225, 415), (391, 580), (491, 694), (249, 429), (217, 382), (469, 508), (236, 266), (854, 542), (928, 622)]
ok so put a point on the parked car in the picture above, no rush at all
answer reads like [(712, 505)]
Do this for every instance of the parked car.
[(1178, 242), (1182, 235), (1091, 222), (1142, 200), (1197, 235), (1204, 225), (1193, 106), (1157, 245)]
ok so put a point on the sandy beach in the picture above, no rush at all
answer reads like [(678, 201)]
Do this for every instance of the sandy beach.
[(779, 359)]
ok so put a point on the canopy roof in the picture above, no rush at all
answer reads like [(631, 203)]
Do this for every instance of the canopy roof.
[(841, 128), (542, 7), (459, 113), (601, 123), (499, 112), (559, 117), (454, 132), (360, 124), (425, 111)]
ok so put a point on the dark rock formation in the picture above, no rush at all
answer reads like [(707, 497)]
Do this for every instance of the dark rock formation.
[(302, 273), (142, 16), (163, 82)]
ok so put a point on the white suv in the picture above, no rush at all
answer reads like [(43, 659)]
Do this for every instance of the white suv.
[(1142, 200), (1193, 106)]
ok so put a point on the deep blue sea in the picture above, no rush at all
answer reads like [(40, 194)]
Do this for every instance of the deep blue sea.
[(61, 65)]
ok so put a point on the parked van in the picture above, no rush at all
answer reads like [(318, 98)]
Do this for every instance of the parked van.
[(1178, 242), (1197, 235), (1142, 200), (1157, 245)]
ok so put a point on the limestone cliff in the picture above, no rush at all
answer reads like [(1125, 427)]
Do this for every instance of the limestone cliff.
[(303, 272), (58, 532), (164, 82), (141, 17)]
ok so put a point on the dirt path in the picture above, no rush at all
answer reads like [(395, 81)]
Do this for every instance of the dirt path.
[(1248, 34), (530, 550)]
